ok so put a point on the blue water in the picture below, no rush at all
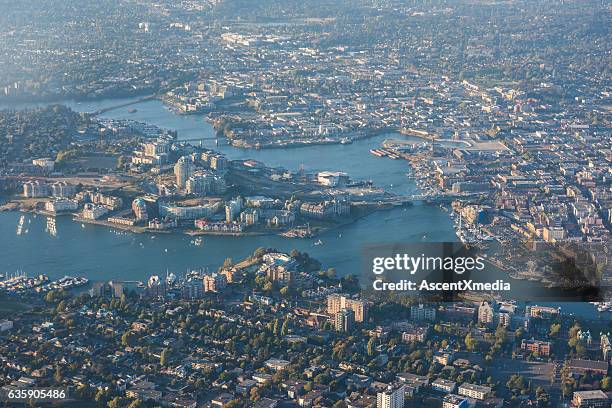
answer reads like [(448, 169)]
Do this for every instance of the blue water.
[(101, 253)]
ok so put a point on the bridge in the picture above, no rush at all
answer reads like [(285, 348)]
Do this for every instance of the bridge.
[(123, 105), (198, 139), (430, 199)]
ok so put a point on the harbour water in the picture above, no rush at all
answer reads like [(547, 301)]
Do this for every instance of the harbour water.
[(85, 251), (100, 253)]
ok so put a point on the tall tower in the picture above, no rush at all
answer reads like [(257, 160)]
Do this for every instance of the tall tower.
[(183, 169)]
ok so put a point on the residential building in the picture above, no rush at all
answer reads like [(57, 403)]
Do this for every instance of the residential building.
[(392, 397), (336, 302), (344, 320), (454, 401), (179, 212), (183, 169), (590, 399), (445, 386), (421, 312), (139, 206), (487, 313), (63, 189), (94, 211), (536, 346), (232, 209), (35, 189), (414, 333), (214, 282), (61, 205), (479, 392)]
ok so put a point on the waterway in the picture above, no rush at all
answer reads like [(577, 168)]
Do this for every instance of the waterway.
[(85, 251), (101, 253)]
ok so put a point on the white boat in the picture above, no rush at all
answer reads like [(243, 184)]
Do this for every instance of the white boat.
[(318, 242)]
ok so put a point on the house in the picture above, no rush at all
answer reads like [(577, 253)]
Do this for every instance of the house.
[(245, 386), (222, 399), (308, 400), (266, 403), (276, 364)]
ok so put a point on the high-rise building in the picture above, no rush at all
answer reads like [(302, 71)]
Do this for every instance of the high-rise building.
[(422, 312), (214, 282), (183, 169), (62, 189), (205, 183), (139, 206), (232, 209), (344, 320), (337, 302), (487, 313), (35, 188), (392, 397)]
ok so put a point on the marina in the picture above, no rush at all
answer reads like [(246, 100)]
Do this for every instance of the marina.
[(20, 283)]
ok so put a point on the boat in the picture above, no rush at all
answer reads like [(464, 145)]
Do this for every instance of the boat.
[(346, 140), (318, 242), (132, 110)]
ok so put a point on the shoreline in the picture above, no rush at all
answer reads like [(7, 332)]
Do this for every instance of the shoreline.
[(363, 211)]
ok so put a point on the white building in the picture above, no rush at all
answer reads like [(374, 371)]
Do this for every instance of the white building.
[(46, 163), (183, 169), (454, 401), (392, 397), (189, 212), (232, 209), (63, 189), (443, 385), (93, 211), (474, 391), (61, 205), (422, 312), (332, 178), (35, 189)]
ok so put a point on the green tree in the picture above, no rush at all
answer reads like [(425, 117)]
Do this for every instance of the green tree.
[(285, 327), (58, 375), (165, 357), (114, 403), (135, 404), (371, 343), (470, 342), (606, 383), (554, 329)]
